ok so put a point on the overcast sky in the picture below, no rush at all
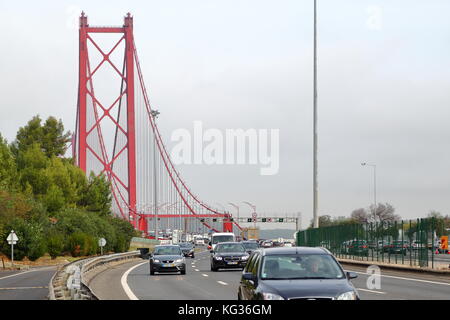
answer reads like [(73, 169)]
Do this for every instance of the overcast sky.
[(384, 79)]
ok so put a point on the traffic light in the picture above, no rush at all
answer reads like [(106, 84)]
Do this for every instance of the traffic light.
[(249, 219), (263, 219), (202, 220), (280, 219), (214, 219), (231, 219)]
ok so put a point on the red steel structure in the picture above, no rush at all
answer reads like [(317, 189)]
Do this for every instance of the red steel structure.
[(134, 173)]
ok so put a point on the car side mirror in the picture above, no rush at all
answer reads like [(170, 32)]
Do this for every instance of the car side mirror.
[(351, 275), (249, 277), (209, 243), (212, 251)]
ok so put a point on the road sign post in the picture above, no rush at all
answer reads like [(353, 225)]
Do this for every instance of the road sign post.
[(101, 244), (12, 240)]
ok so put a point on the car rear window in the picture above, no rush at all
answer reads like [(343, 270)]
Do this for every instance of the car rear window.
[(300, 266), (229, 247)]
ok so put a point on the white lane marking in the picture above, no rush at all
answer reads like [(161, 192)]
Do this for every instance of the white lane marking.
[(197, 270), (371, 291), (223, 283), (205, 275), (406, 279), (124, 283), (25, 272)]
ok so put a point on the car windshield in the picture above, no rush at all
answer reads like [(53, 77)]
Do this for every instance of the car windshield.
[(300, 266), (250, 245), (167, 251), (224, 238), (229, 247)]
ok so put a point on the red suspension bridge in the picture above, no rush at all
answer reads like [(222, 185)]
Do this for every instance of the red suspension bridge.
[(118, 137)]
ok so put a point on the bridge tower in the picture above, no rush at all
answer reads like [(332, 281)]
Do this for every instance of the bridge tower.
[(87, 100)]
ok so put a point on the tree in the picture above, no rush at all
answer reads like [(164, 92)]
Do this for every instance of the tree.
[(439, 222), (384, 212), (31, 242), (50, 137), (55, 244), (360, 215), (8, 168), (97, 195), (32, 163)]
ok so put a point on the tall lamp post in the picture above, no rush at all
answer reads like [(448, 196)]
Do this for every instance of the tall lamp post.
[(254, 211), (237, 210), (315, 139), (155, 114), (374, 183)]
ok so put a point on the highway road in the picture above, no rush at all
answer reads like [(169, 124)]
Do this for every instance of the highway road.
[(132, 281), (26, 285)]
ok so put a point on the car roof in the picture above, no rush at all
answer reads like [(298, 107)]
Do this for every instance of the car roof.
[(166, 245), (293, 250), (228, 242)]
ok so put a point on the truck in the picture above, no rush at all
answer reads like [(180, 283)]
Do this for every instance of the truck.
[(250, 233), (219, 237)]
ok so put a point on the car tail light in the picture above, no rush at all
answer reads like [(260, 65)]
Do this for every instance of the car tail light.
[(364, 247), (391, 246)]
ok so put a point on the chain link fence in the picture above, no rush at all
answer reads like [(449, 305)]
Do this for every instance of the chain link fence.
[(411, 242)]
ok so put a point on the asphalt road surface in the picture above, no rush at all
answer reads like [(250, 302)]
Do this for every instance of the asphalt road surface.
[(26, 285), (133, 281)]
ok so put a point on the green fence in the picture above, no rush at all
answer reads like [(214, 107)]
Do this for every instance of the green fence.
[(411, 242)]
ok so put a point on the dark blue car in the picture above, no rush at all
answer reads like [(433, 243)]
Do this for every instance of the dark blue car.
[(295, 273)]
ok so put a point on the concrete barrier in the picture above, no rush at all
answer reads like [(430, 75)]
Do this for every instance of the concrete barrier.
[(71, 282)]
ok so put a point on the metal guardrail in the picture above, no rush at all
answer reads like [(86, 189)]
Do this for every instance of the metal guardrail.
[(71, 282)]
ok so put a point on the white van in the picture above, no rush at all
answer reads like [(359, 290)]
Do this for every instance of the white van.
[(221, 237)]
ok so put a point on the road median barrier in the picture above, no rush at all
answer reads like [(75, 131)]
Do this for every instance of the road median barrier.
[(71, 281)]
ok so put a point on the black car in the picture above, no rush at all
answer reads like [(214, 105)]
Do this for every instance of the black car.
[(250, 246), (167, 258), (228, 255), (187, 249), (295, 273)]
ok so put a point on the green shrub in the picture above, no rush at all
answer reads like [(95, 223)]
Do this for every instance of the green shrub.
[(55, 245)]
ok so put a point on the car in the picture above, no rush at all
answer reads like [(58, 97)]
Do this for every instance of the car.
[(295, 273), (228, 255), (250, 245), (267, 244), (399, 247), (358, 248), (288, 244), (187, 249), (167, 258), (276, 243)]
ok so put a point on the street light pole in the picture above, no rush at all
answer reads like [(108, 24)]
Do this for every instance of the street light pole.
[(237, 209), (315, 139), (254, 211), (374, 183), (155, 114)]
